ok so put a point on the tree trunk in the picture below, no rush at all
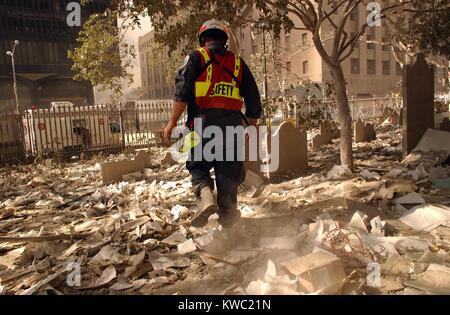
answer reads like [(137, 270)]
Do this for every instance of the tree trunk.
[(345, 119)]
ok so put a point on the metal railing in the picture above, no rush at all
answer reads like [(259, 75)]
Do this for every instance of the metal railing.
[(359, 108), (69, 130)]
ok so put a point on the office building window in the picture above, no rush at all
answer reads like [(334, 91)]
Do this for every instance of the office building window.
[(305, 67), (355, 66), (304, 39), (369, 38), (386, 67), (371, 69), (287, 42)]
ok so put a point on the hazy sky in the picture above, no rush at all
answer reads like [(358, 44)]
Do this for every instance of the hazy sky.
[(132, 38)]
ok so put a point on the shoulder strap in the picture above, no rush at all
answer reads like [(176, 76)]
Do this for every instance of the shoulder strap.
[(209, 59), (207, 65)]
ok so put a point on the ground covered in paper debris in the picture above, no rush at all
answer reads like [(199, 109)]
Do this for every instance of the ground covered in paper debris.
[(323, 231)]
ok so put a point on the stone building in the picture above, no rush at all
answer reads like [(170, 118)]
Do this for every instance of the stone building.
[(153, 75), (43, 69)]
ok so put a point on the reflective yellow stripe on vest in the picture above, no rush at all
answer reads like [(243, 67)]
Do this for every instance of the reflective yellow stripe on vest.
[(237, 66), (201, 88)]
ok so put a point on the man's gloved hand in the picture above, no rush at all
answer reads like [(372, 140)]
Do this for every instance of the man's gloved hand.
[(168, 131)]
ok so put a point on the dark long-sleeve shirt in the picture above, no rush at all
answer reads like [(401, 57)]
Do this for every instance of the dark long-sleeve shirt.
[(190, 70)]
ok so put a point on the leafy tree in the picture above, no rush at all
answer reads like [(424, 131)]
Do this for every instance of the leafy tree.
[(103, 58)]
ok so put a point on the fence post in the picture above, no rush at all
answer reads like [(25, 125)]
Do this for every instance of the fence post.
[(122, 129), (373, 106), (22, 148)]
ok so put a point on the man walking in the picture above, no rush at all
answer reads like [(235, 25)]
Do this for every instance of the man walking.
[(213, 84)]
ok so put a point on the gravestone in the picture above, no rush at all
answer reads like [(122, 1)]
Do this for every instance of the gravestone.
[(328, 132), (363, 132), (418, 102), (293, 148)]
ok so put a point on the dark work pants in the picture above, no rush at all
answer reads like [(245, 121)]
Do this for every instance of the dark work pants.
[(229, 174)]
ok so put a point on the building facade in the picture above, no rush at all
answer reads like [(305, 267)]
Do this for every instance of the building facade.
[(43, 69), (153, 71), (371, 69)]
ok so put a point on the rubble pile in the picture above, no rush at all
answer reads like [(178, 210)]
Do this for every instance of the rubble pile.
[(382, 229)]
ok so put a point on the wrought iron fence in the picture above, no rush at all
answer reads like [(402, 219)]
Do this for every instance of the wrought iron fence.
[(11, 147), (67, 130), (359, 108)]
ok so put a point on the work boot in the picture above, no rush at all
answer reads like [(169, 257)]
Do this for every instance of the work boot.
[(206, 207), (228, 218)]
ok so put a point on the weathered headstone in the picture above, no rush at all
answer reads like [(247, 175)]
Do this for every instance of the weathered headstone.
[(363, 132), (418, 102), (329, 129), (293, 148), (328, 132), (115, 170)]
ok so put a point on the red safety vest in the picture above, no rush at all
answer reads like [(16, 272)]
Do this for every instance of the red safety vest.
[(218, 84)]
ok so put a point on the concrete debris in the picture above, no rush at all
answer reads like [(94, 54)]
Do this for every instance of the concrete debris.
[(394, 173), (252, 180), (435, 140), (310, 231), (175, 239), (436, 279), (338, 171), (427, 217), (410, 199), (318, 272), (370, 175), (418, 173), (186, 247), (358, 222)]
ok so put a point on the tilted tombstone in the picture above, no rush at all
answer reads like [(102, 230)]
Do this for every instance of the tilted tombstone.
[(418, 102), (328, 132), (292, 148), (363, 132)]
